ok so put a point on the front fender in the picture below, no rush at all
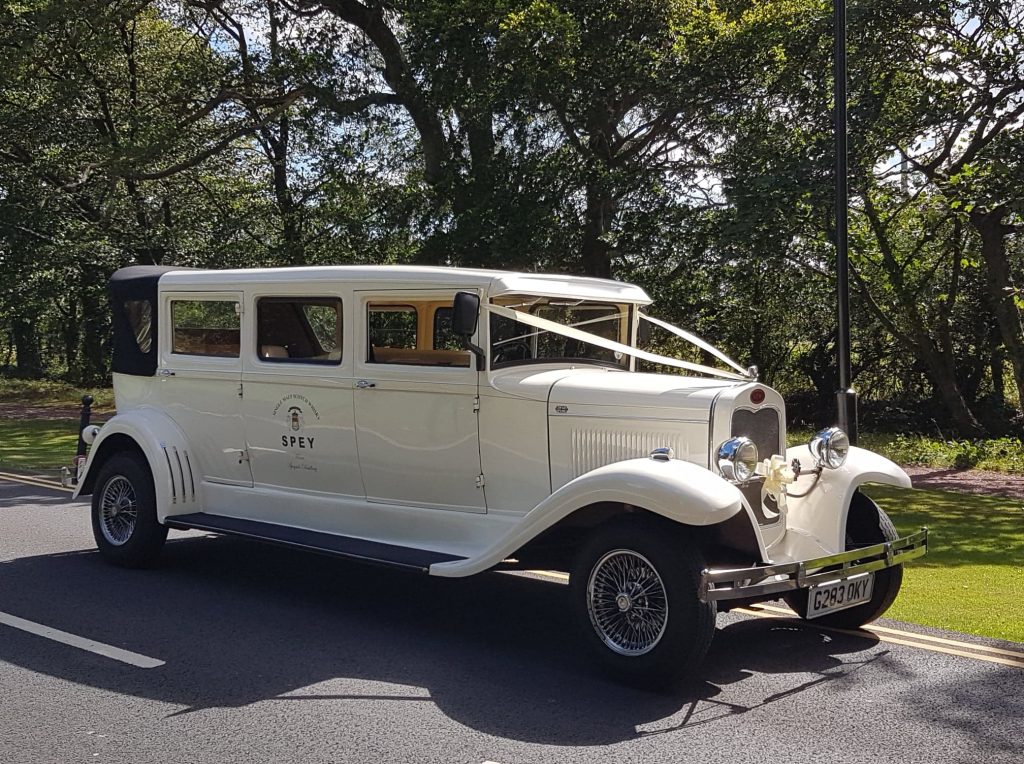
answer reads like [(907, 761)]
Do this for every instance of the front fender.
[(678, 490), (163, 444), (816, 523)]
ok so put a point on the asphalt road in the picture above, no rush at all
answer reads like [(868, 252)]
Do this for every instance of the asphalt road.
[(270, 655)]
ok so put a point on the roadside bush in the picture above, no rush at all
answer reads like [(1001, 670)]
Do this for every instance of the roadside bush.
[(996, 454)]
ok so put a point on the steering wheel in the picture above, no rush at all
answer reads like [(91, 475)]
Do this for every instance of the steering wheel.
[(516, 350)]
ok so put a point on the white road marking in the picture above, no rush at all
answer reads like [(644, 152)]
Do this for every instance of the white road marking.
[(82, 643)]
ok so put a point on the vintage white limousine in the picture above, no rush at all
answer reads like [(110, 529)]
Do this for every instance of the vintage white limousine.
[(452, 421)]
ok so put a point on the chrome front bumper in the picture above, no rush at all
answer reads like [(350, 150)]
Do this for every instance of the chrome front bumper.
[(766, 580)]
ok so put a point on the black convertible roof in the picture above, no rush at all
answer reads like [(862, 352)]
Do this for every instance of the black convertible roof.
[(130, 290)]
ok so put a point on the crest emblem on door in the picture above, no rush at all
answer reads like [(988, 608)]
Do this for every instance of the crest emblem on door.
[(295, 418)]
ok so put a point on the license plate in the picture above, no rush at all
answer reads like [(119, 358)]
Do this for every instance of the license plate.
[(839, 595)]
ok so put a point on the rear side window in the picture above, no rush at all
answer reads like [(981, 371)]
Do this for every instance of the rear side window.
[(140, 316), (205, 327), (299, 330)]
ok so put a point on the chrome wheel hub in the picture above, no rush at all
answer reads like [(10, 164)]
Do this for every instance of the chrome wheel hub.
[(118, 510), (627, 602)]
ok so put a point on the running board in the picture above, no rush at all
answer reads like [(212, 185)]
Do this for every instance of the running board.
[(325, 543)]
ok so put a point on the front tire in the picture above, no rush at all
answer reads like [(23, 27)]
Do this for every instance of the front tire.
[(124, 520), (634, 593), (866, 524)]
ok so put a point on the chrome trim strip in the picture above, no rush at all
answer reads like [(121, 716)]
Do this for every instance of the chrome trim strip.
[(772, 579), (191, 479), (181, 473), (170, 475)]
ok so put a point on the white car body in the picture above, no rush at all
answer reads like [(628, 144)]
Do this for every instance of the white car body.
[(462, 467)]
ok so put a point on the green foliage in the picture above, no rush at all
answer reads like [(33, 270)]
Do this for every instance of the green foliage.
[(995, 454), (683, 144), (998, 454)]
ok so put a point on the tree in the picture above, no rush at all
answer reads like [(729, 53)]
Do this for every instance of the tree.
[(963, 135)]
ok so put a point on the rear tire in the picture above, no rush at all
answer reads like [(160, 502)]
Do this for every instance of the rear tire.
[(866, 524), (634, 595), (124, 520)]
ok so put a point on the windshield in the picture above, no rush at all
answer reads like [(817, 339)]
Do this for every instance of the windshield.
[(516, 343)]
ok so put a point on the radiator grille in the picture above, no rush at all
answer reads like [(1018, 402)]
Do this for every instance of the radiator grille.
[(760, 426), (763, 428)]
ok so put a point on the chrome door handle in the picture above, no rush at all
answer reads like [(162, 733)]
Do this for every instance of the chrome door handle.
[(364, 384), (165, 373)]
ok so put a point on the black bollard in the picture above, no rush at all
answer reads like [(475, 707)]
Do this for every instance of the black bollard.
[(83, 422)]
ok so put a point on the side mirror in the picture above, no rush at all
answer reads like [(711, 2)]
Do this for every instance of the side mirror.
[(465, 314)]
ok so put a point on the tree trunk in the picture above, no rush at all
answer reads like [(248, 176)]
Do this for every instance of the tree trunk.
[(996, 369), (26, 345), (597, 252), (92, 369), (941, 369), (999, 280), (292, 245), (70, 332)]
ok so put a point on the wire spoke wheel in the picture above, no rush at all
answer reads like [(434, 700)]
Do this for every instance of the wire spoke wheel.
[(627, 602), (119, 510)]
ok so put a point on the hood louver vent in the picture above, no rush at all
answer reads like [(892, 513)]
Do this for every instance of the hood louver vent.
[(594, 448)]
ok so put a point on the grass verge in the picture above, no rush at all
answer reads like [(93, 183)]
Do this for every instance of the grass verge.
[(43, 393), (37, 443), (972, 579)]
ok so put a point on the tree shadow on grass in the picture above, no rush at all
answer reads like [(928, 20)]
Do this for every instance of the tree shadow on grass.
[(962, 529)]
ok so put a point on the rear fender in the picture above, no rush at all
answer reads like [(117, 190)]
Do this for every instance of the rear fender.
[(678, 490), (163, 444)]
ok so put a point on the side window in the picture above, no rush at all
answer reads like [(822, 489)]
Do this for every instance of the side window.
[(444, 337), (390, 327), (205, 327), (140, 316), (299, 330), (394, 338)]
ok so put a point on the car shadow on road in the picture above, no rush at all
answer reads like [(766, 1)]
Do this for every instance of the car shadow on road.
[(239, 623)]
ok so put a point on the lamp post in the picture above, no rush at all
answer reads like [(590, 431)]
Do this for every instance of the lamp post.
[(846, 396)]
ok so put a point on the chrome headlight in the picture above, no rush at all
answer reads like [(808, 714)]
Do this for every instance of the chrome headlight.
[(830, 447), (737, 459)]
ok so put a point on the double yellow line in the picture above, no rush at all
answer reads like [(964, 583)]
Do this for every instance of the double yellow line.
[(34, 481), (911, 639), (895, 636)]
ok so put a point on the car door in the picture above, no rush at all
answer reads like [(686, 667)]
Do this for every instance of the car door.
[(416, 404), (297, 383), (199, 375)]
